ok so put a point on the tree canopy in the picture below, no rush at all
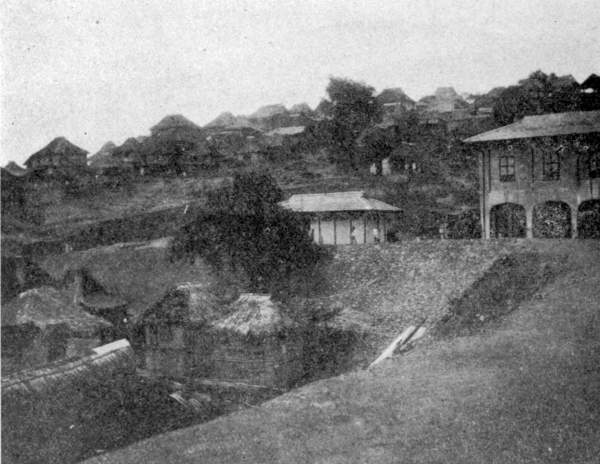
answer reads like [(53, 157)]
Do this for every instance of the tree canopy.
[(353, 109), (244, 226), (537, 94)]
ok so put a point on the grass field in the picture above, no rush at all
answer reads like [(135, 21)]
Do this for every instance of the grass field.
[(525, 389)]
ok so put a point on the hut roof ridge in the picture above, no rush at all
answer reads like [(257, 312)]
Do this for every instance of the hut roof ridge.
[(255, 314)]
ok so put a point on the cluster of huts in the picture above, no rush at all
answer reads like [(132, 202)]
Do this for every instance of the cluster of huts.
[(187, 334)]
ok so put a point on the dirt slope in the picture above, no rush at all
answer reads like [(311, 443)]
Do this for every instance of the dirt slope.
[(525, 391)]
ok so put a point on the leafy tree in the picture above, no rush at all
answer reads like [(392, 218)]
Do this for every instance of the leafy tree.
[(353, 109), (244, 227), (538, 94), (377, 144)]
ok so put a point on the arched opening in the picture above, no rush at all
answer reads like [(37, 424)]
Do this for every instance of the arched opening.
[(588, 219), (552, 219), (507, 220)]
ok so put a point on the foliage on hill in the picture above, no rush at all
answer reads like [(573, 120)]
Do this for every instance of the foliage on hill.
[(537, 94), (244, 227)]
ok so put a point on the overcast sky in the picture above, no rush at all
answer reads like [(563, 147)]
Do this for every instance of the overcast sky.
[(94, 71)]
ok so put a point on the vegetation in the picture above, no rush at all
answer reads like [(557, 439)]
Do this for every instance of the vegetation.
[(244, 227), (537, 94), (353, 109)]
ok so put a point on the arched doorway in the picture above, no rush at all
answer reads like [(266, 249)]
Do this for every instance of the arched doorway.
[(588, 219), (552, 219), (507, 220)]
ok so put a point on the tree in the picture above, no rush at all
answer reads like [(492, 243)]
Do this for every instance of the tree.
[(244, 227), (353, 109), (538, 94)]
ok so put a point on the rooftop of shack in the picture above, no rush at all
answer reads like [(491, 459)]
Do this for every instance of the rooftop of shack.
[(46, 306), (335, 201), (185, 302)]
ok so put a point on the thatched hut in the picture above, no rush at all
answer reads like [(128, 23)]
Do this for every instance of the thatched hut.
[(60, 155), (258, 344), (177, 343), (42, 325)]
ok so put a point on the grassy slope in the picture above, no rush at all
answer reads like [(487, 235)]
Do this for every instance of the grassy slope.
[(525, 392), (140, 273), (380, 290)]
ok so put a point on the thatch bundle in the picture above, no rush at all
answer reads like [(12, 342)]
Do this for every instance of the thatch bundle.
[(255, 315)]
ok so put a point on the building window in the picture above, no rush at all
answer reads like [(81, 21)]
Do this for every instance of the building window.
[(595, 165), (507, 168), (551, 165)]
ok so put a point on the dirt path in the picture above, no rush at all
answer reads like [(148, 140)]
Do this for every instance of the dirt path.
[(527, 391)]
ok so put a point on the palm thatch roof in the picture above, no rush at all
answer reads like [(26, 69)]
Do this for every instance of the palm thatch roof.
[(60, 374), (302, 108), (256, 315), (173, 121), (268, 111), (14, 169), (185, 303), (59, 146), (394, 95), (46, 306)]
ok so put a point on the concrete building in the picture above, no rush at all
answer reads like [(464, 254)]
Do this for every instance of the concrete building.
[(540, 176), (333, 217)]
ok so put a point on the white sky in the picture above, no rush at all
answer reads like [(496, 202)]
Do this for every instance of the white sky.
[(94, 71)]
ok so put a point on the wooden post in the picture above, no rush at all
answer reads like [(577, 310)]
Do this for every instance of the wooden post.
[(320, 238), (364, 219), (334, 230)]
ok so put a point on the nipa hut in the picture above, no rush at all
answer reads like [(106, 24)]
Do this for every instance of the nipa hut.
[(177, 343), (257, 344), (42, 325)]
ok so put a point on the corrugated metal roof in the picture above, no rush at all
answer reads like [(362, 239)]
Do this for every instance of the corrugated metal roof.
[(291, 130), (335, 201), (57, 375), (544, 125)]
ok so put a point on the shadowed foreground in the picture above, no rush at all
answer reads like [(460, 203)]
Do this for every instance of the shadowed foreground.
[(526, 390)]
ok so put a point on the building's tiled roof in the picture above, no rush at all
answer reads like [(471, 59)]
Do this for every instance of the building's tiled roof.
[(335, 201), (545, 125)]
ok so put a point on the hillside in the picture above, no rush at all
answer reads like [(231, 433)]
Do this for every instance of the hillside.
[(522, 390)]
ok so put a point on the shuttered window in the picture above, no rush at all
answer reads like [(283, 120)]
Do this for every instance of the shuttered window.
[(551, 165), (507, 168)]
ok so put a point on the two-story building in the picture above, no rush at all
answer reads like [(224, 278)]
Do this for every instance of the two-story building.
[(540, 176)]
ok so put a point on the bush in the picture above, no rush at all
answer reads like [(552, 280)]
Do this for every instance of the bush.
[(244, 227)]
